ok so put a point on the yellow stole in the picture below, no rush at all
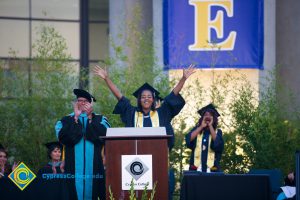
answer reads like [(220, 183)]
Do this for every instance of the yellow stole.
[(198, 152), (139, 119), (63, 153)]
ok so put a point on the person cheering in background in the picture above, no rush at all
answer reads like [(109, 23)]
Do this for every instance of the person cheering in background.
[(206, 141), (5, 167), (55, 165), (79, 133), (145, 114)]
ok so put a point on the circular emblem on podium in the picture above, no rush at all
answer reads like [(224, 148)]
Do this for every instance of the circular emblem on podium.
[(136, 168)]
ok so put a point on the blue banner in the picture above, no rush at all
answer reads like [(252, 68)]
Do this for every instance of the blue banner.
[(213, 33)]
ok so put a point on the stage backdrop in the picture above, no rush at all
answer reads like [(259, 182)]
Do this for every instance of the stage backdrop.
[(213, 33)]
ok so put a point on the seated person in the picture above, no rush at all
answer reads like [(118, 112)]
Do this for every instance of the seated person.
[(55, 165), (206, 141), (289, 190)]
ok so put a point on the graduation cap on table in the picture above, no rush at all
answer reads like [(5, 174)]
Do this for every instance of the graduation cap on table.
[(146, 86), (209, 107), (84, 94), (52, 145)]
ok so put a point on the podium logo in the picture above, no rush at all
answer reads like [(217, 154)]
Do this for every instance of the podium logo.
[(22, 176), (136, 168)]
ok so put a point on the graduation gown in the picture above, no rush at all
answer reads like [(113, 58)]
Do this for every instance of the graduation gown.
[(171, 106), (216, 146), (83, 159), (49, 185), (7, 171)]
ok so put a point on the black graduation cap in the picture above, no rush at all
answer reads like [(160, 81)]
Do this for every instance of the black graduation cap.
[(84, 94), (159, 98), (53, 145), (146, 86), (209, 107)]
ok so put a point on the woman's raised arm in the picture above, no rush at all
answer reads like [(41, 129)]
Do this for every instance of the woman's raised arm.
[(103, 74)]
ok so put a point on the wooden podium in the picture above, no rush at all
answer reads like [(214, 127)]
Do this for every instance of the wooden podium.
[(136, 141)]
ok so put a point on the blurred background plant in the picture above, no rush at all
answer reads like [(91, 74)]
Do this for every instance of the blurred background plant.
[(33, 94)]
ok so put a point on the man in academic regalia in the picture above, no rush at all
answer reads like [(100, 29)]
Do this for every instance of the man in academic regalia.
[(79, 133)]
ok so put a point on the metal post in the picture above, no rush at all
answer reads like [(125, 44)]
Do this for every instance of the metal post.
[(84, 44)]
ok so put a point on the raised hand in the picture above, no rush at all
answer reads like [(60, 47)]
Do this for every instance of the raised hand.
[(189, 71), (102, 73), (185, 75)]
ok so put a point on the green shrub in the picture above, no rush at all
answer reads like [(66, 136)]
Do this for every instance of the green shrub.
[(35, 93)]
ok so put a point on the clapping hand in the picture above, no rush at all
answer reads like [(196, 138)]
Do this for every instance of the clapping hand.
[(88, 108), (15, 165), (62, 167), (77, 111), (2, 168), (53, 167)]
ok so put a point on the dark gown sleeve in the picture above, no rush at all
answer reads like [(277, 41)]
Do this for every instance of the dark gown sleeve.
[(218, 144), (43, 170), (172, 105), (71, 132), (96, 128), (190, 144), (47, 169), (125, 109)]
